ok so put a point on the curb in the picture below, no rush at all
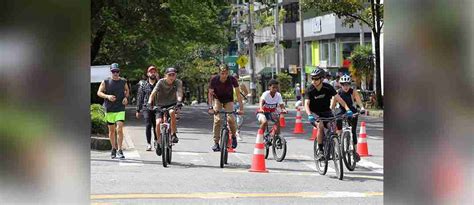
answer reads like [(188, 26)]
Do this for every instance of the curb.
[(100, 143)]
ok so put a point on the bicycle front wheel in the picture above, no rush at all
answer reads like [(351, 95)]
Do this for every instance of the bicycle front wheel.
[(223, 146), (347, 145), (164, 148), (267, 145), (279, 148), (337, 157), (321, 163)]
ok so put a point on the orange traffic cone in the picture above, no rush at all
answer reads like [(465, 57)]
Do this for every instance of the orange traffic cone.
[(282, 121), (315, 133), (258, 159), (362, 148), (298, 124)]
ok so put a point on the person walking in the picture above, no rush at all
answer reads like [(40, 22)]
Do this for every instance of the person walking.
[(115, 91), (143, 94)]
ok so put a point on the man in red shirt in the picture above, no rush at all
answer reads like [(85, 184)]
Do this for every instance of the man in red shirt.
[(221, 95)]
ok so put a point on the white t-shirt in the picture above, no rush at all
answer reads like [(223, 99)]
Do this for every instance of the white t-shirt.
[(270, 103)]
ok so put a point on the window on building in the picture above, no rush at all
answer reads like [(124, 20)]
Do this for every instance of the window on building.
[(308, 51), (324, 50), (333, 55)]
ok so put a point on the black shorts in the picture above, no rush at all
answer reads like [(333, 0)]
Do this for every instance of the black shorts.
[(326, 114)]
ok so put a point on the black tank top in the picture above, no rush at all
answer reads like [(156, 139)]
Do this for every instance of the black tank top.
[(347, 97), (117, 88)]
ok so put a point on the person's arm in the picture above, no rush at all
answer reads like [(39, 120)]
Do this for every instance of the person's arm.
[(127, 92), (179, 93), (333, 103), (239, 98), (282, 104), (140, 96), (101, 90), (357, 98), (306, 107)]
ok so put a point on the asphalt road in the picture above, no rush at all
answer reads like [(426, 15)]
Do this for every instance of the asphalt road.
[(194, 177)]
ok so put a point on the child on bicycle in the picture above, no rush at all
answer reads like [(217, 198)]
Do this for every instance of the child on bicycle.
[(349, 95), (269, 101)]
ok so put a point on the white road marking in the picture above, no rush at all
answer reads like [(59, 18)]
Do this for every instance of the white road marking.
[(130, 158), (370, 165)]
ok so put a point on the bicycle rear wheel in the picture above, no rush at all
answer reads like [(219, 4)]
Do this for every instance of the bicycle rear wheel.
[(321, 163), (348, 150), (279, 148), (337, 157), (223, 146), (164, 148)]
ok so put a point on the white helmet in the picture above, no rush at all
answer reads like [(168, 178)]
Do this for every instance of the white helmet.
[(345, 79)]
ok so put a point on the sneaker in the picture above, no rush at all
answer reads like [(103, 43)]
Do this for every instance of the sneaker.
[(157, 149), (320, 154), (114, 153), (120, 154), (148, 147), (356, 156), (239, 138), (267, 140), (216, 148), (234, 142), (174, 138)]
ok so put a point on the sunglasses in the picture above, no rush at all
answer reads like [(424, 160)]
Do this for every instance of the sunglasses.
[(315, 78), (345, 84), (115, 71)]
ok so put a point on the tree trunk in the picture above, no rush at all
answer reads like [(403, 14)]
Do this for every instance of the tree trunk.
[(378, 83), (95, 47)]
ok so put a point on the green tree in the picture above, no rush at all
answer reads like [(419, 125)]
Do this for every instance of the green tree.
[(285, 85), (362, 60), (370, 14)]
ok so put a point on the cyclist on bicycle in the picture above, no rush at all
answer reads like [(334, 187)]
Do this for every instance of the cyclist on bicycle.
[(349, 95), (221, 92), (317, 100), (168, 92), (269, 101)]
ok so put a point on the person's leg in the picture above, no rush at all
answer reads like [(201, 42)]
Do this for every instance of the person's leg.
[(217, 122), (262, 120), (153, 123), (320, 132), (228, 107), (354, 129), (120, 134), (158, 131), (148, 124), (112, 135), (173, 121), (339, 126)]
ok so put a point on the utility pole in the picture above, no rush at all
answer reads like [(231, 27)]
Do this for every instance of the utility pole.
[(253, 86), (277, 38), (237, 33), (303, 74)]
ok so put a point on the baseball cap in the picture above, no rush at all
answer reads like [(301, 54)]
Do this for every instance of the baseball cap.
[(151, 68), (114, 66), (170, 70)]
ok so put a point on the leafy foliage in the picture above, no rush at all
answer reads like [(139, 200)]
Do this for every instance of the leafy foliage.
[(98, 123), (362, 61), (285, 82)]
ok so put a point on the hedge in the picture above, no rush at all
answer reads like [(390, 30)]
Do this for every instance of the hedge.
[(98, 123)]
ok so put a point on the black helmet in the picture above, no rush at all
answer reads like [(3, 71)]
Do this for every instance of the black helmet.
[(319, 73)]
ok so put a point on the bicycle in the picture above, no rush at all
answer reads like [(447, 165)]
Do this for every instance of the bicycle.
[(331, 149), (277, 142), (165, 126), (347, 143), (225, 141)]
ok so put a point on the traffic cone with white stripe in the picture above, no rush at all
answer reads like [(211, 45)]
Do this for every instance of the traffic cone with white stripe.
[(282, 121), (362, 148), (298, 123), (258, 159), (315, 133)]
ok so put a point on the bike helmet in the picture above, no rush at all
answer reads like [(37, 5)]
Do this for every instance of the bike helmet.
[(319, 73), (345, 79)]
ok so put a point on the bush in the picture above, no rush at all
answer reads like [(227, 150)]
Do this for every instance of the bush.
[(98, 123), (289, 94)]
